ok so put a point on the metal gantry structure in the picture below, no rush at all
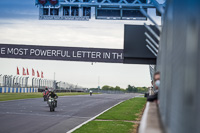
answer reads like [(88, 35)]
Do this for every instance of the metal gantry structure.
[(107, 10), (94, 9), (153, 38)]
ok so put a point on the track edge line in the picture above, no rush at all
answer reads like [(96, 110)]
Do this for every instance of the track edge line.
[(70, 131)]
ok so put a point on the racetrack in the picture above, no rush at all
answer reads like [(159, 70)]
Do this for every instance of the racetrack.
[(33, 115)]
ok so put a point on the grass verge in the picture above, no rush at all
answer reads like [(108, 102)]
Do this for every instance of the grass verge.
[(16, 96), (120, 119), (106, 127), (128, 110)]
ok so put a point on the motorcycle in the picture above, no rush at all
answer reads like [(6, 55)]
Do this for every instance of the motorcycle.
[(90, 93), (52, 104)]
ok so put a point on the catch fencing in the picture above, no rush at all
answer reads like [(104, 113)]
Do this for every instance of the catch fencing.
[(107, 91)]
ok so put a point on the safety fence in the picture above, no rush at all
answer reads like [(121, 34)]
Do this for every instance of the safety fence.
[(107, 91), (18, 90)]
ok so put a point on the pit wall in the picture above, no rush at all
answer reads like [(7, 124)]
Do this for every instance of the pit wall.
[(179, 64)]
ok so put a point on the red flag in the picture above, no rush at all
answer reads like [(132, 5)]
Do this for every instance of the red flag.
[(24, 71), (17, 71), (38, 75), (27, 71), (42, 75), (33, 72)]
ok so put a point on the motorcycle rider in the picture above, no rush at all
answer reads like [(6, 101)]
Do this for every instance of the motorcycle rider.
[(45, 93), (52, 94), (90, 92)]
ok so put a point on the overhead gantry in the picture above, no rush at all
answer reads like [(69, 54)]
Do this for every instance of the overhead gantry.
[(92, 9)]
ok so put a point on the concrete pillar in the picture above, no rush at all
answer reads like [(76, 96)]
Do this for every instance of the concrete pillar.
[(61, 11), (121, 13), (70, 11), (40, 11), (93, 13), (49, 11), (80, 11)]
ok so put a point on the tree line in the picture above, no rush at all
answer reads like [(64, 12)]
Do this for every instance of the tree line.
[(129, 89)]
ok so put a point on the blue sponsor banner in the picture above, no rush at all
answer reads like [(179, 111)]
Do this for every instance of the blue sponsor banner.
[(18, 90)]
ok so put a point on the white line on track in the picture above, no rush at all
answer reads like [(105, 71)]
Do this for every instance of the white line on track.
[(92, 118)]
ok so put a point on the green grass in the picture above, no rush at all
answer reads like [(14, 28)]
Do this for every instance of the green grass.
[(127, 110), (15, 96), (106, 127)]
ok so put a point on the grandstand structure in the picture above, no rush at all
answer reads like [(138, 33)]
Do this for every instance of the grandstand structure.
[(12, 81), (93, 9)]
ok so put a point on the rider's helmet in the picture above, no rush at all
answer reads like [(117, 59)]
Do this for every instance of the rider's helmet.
[(50, 90)]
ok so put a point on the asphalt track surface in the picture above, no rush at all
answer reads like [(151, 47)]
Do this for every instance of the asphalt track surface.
[(34, 116)]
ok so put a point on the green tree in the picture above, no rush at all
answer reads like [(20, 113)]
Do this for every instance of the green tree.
[(106, 87), (135, 90), (130, 88), (117, 88)]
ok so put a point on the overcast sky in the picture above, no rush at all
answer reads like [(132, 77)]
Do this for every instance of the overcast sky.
[(19, 24)]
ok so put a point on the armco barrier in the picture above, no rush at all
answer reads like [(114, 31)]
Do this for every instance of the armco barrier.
[(18, 90)]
